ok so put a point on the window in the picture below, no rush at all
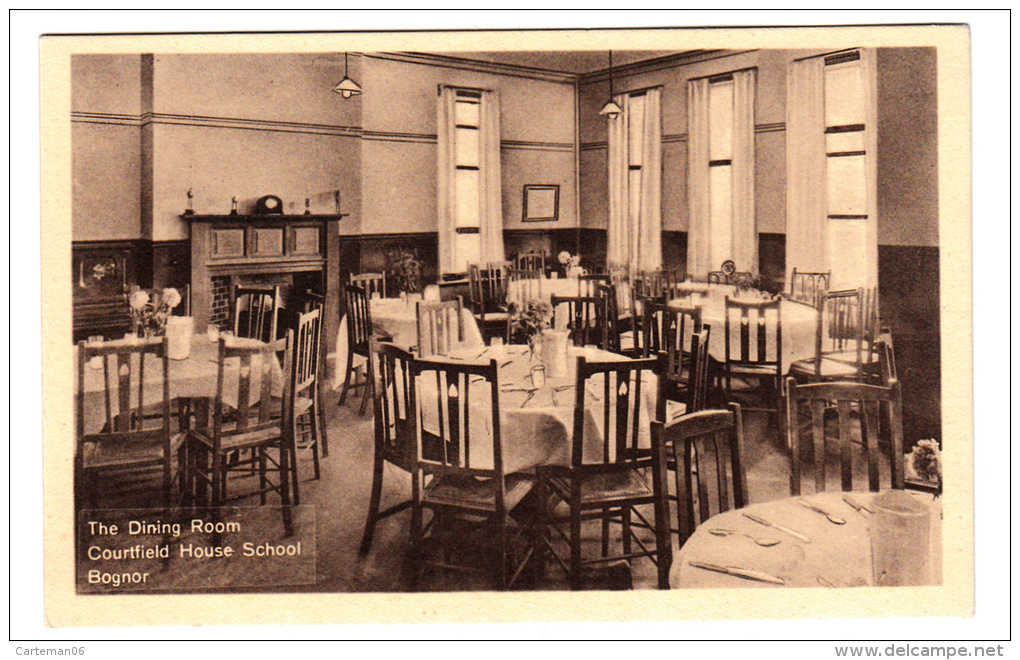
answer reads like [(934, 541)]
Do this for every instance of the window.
[(846, 172), (720, 169), (467, 158)]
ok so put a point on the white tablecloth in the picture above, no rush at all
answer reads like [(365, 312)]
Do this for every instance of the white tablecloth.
[(538, 431), (546, 288), (799, 323), (396, 318), (839, 554), (193, 377)]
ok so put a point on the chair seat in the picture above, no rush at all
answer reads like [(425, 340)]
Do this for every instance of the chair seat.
[(752, 370), (240, 440), (606, 487), (122, 454), (829, 368), (675, 409), (494, 317), (627, 341), (468, 492)]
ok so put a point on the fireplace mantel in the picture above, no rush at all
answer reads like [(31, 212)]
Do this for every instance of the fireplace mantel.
[(245, 245)]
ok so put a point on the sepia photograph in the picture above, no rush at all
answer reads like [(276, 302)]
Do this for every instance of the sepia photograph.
[(379, 316)]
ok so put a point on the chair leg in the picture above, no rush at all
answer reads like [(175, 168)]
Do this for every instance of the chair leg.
[(317, 432), (321, 406), (625, 514), (288, 519), (373, 505), (369, 385), (605, 531), (575, 546), (347, 377), (500, 554), (262, 475)]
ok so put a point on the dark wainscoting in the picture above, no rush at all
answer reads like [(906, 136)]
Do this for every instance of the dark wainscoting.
[(375, 253), (674, 251), (592, 245), (908, 284), (548, 241), (772, 261), (171, 263)]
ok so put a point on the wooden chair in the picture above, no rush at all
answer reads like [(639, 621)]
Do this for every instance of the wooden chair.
[(669, 327), (840, 350), (527, 284), (488, 296), (865, 403), (130, 442), (534, 261), (587, 285), (394, 429), (588, 319), (359, 331), (756, 356), (372, 283), (614, 486), (692, 442), (743, 280), (684, 381), (256, 311), (808, 288), (618, 341), (718, 277), (308, 422), (261, 442), (440, 327), (452, 483)]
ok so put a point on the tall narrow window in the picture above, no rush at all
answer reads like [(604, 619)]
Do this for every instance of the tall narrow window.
[(469, 200), (467, 237), (846, 176), (720, 172)]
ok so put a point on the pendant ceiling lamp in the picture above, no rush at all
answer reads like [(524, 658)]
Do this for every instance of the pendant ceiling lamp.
[(611, 109), (347, 87)]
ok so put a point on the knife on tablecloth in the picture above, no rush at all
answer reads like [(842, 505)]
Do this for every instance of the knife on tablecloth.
[(761, 521), (745, 573)]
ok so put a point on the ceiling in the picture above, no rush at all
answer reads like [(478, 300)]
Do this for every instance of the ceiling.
[(577, 62)]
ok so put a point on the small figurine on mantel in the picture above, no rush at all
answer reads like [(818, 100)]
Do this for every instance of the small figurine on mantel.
[(308, 206), (233, 205), (191, 209)]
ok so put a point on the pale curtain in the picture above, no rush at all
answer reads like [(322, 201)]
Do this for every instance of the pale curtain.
[(447, 189), (618, 248), (698, 200), (646, 230), (635, 231), (490, 198), (871, 163), (806, 204), (490, 211), (745, 226)]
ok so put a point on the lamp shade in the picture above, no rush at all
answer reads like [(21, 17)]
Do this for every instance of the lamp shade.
[(347, 88), (611, 109)]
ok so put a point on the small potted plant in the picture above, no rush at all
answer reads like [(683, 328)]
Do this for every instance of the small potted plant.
[(530, 320), (926, 465), (405, 270)]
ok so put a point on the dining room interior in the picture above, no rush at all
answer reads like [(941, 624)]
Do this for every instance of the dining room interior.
[(624, 319)]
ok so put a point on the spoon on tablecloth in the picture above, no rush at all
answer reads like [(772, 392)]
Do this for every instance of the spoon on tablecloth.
[(836, 520), (763, 542)]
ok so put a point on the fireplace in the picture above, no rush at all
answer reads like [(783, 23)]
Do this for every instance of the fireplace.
[(299, 252)]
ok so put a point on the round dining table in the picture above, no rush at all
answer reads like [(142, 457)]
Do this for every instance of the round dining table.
[(193, 376), (536, 423), (799, 322), (833, 555), (395, 318)]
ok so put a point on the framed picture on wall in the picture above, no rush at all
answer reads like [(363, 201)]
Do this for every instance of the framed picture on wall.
[(541, 203)]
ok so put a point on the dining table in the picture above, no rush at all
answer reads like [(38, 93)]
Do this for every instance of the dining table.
[(536, 419), (194, 376), (397, 319), (799, 322), (802, 548)]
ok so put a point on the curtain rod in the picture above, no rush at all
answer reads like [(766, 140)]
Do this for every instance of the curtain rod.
[(724, 73), (639, 90)]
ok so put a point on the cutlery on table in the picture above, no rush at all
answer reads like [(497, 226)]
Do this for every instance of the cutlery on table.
[(763, 542), (508, 362), (825, 583), (857, 506), (761, 521), (484, 351), (835, 520), (736, 571), (531, 394)]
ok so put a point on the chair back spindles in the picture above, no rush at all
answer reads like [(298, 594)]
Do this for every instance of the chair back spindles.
[(373, 283), (440, 327), (861, 410), (588, 322), (534, 261), (256, 311), (694, 440), (809, 288)]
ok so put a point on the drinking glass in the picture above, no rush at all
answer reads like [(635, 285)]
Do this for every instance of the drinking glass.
[(538, 376), (899, 540)]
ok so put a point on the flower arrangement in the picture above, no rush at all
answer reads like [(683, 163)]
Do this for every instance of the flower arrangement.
[(405, 270), (926, 460), (530, 319), (149, 313), (568, 260)]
